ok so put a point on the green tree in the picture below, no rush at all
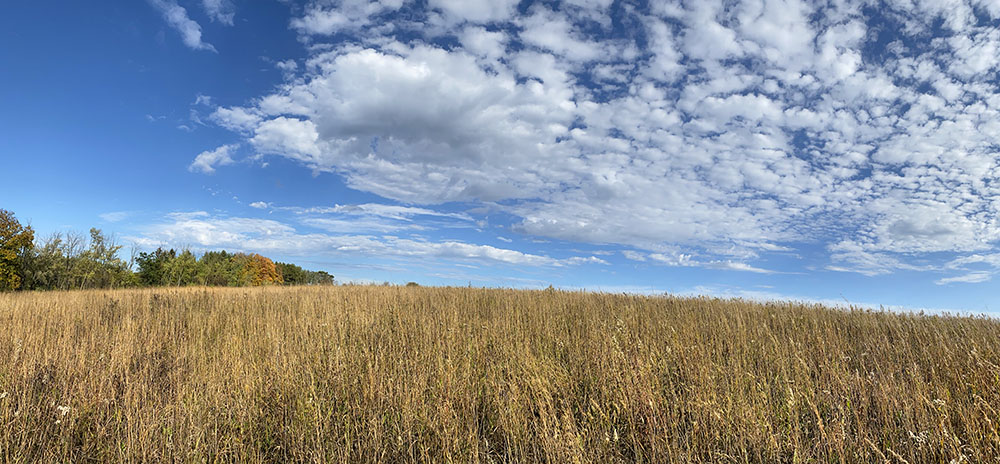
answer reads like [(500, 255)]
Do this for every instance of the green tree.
[(153, 266), (295, 275), (292, 274), (56, 265), (100, 265), (42, 272), (319, 278), (16, 245), (72, 268), (182, 270), (217, 268)]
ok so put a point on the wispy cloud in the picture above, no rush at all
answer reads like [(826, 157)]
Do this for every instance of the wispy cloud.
[(222, 11), (377, 209), (687, 260), (202, 230), (970, 278), (114, 216), (177, 17)]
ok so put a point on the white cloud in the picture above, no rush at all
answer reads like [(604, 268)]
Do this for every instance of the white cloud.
[(634, 255), (970, 278), (236, 119), (187, 215), (710, 40), (294, 138), (687, 260), (735, 266), (389, 211), (222, 11), (177, 17), (665, 64), (207, 161), (331, 17), (374, 217), (476, 11), (780, 28), (551, 32), (287, 68), (479, 41), (203, 100), (357, 225), (401, 125), (973, 267), (259, 205), (114, 216)]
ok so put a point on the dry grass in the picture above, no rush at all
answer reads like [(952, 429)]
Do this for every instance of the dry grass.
[(349, 374)]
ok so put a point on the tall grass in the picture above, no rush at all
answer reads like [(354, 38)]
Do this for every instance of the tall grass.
[(349, 374)]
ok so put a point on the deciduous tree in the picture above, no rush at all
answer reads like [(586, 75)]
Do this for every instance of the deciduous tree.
[(258, 270), (16, 245)]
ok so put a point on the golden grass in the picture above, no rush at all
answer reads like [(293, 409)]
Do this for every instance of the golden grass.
[(353, 374)]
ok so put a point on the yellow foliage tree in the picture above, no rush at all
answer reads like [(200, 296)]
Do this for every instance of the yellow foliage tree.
[(16, 241), (259, 270)]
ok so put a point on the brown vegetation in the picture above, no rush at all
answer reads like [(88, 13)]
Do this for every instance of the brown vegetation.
[(352, 374)]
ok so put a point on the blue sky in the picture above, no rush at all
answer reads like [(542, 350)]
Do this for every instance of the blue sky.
[(841, 152)]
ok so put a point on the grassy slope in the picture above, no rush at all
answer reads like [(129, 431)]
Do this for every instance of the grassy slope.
[(346, 374)]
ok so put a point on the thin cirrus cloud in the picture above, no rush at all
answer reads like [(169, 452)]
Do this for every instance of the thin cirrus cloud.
[(114, 216), (387, 211), (177, 17), (700, 134), (222, 11), (373, 218), (203, 230), (972, 277)]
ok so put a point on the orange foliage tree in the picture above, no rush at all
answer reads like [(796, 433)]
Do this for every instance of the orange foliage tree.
[(258, 270)]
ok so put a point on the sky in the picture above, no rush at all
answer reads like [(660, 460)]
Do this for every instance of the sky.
[(842, 152)]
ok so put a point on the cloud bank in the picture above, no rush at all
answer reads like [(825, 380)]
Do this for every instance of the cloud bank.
[(705, 130)]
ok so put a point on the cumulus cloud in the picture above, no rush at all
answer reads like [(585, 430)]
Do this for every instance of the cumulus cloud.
[(482, 42), (207, 161), (330, 17), (702, 133), (477, 11), (236, 119), (177, 17), (554, 33)]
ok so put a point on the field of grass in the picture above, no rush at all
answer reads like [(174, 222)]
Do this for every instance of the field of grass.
[(401, 374)]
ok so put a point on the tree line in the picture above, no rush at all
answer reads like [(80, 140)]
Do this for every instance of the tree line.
[(74, 261)]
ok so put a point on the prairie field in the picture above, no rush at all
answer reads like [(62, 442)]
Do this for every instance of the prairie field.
[(408, 374)]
